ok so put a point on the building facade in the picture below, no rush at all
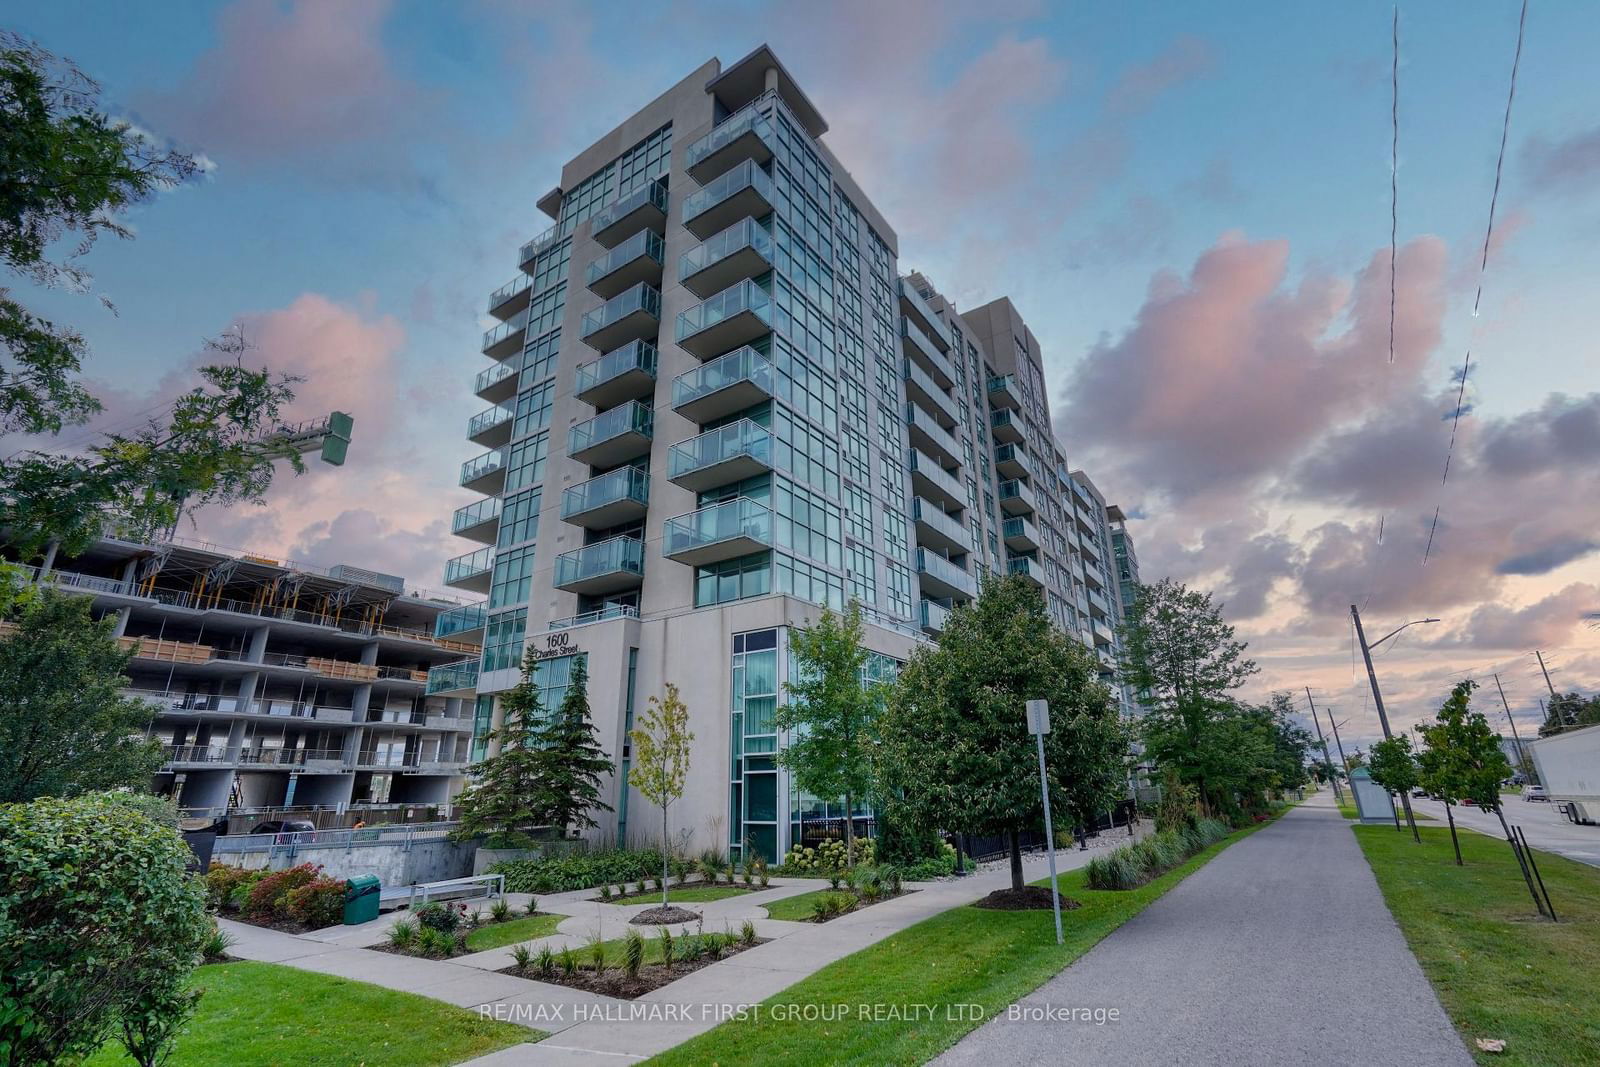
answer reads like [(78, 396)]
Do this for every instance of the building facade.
[(276, 685), (717, 405)]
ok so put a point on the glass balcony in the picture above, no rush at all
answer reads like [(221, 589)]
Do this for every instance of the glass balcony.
[(943, 578), (1004, 392), (644, 208), (927, 435), (730, 383), (491, 428), (1090, 547), (612, 437), (638, 259), (935, 617), (1104, 637), (607, 567), (626, 373), (608, 500), (743, 250), (497, 383), (485, 473), (929, 479), (478, 521), (723, 531), (938, 529), (913, 304), (743, 192), (470, 571), (1020, 534), (1098, 605), (718, 457), (922, 389), (736, 316), (1006, 425), (744, 135), (1011, 461), (467, 619), (453, 678), (1030, 569), (505, 338), (1016, 498), (511, 297), (634, 315), (922, 350), (546, 240), (603, 614)]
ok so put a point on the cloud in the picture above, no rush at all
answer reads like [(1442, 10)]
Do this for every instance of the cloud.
[(1550, 621), (1548, 557), (1185, 59), (303, 84), (1568, 164), (367, 539)]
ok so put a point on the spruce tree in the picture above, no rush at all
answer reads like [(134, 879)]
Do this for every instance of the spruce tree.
[(572, 763), (502, 803)]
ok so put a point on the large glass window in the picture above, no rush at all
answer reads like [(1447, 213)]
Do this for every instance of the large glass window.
[(512, 572), (806, 523), (502, 639), (807, 581), (753, 792), (525, 464), (519, 518), (539, 359), (533, 409), (734, 579)]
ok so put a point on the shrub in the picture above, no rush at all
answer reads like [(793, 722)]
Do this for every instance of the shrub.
[(1133, 865), (522, 958), (269, 896), (222, 880), (639, 888), (500, 911), (891, 879), (533, 906), (569, 962), (545, 962), (579, 870), (834, 879), (655, 883), (664, 937), (940, 866), (99, 922), (597, 954), (1176, 810), (214, 949), (715, 946), (680, 871), (632, 953), (605, 892), (403, 934), (435, 943), (318, 903), (747, 932), (444, 918), (872, 892), (474, 918), (694, 949)]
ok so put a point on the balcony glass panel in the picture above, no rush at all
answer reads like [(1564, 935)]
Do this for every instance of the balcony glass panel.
[(747, 233), (935, 326), (475, 514), (936, 566), (932, 516), (483, 465), (653, 193), (635, 355), (642, 297), (734, 300), (741, 365), (737, 518), (452, 676), (643, 243), (624, 483), (490, 375), (459, 620), (746, 175), (465, 566), (742, 438), (746, 120), (632, 417), (516, 324), (514, 287), (619, 554), (484, 420)]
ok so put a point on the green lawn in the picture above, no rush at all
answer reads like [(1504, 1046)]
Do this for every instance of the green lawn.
[(694, 893), (1500, 971), (799, 908), (965, 955), (1348, 810), (496, 935), (261, 1013)]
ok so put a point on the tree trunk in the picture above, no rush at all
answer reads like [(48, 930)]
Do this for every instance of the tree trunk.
[(1016, 859), (1522, 861), (849, 831), (666, 851), (1394, 809), (1411, 820), (1453, 839)]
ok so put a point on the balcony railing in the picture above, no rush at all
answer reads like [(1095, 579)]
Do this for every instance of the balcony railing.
[(490, 377), (912, 301), (610, 611), (928, 435), (543, 242), (920, 348), (1020, 533), (743, 250), (936, 482), (505, 338), (645, 206), (609, 499), (746, 134), (479, 468), (612, 436), (514, 289), (722, 531), (1016, 498), (475, 515), (935, 525), (742, 192), (622, 374), (935, 616), (631, 315), (730, 383), (490, 427), (605, 567), (1028, 568), (736, 316), (635, 260), (718, 457), (1004, 392), (944, 576), (1011, 460), (466, 566), (459, 621), (453, 677)]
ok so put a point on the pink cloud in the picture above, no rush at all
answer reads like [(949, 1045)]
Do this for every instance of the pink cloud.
[(1138, 86)]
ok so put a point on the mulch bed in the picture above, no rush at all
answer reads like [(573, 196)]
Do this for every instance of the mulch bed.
[(1028, 898), (614, 982), (386, 946), (664, 916)]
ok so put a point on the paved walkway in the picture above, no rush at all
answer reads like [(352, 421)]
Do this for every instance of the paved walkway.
[(589, 1028), (1278, 951)]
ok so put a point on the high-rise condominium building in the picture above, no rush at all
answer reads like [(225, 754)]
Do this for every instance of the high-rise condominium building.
[(718, 405)]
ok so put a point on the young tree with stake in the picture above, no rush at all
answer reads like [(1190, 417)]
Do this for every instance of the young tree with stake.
[(1395, 768), (661, 762)]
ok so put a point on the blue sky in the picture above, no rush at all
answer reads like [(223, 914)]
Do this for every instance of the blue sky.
[(376, 167)]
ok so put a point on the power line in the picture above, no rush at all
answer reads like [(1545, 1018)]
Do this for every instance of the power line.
[(1394, 179)]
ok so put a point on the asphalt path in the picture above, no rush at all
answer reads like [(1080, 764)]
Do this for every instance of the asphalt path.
[(1278, 951)]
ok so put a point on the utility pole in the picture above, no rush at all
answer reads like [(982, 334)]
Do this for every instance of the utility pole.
[(1377, 699), (1546, 671), (1340, 744), (1525, 765), (1326, 759)]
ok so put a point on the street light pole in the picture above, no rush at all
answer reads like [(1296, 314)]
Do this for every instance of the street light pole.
[(1523, 764), (1337, 794), (1039, 725), (1377, 697)]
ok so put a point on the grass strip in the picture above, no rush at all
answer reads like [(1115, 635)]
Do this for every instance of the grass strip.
[(498, 935), (1499, 970), (262, 1013), (688, 894), (800, 908), (963, 956)]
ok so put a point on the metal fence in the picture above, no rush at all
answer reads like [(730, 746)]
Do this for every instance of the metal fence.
[(290, 843)]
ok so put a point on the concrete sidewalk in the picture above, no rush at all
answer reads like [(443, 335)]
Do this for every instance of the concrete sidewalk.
[(1280, 950)]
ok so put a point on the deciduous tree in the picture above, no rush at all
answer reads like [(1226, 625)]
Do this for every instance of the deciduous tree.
[(1461, 758), (661, 761), (1394, 767)]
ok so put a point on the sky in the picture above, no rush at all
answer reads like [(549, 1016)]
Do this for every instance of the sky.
[(1190, 205)]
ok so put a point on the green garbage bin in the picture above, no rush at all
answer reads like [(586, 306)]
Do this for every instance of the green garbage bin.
[(360, 900)]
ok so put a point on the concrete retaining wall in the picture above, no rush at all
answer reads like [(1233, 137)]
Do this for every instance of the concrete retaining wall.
[(433, 860)]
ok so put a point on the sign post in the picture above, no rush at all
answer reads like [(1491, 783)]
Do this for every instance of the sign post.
[(1038, 726)]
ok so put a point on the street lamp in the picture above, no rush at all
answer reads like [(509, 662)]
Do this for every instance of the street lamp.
[(1377, 697)]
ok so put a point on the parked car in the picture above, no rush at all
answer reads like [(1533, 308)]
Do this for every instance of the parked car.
[(284, 826), (1535, 792), (1419, 794)]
